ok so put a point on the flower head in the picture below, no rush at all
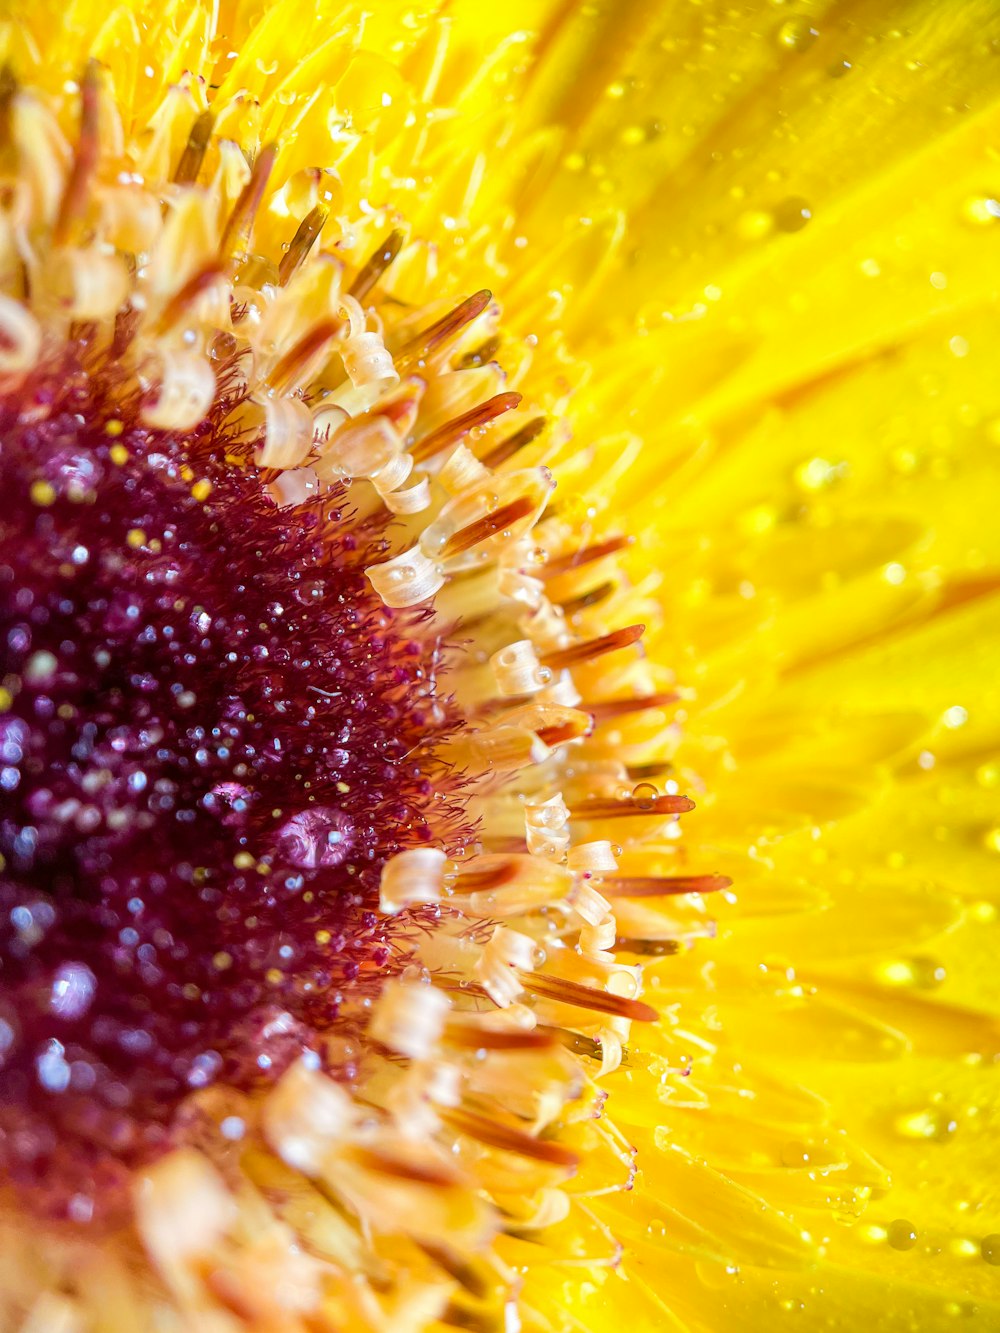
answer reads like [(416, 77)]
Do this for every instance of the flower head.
[(436, 444)]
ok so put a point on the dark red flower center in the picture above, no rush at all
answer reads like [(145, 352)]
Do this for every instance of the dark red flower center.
[(213, 735)]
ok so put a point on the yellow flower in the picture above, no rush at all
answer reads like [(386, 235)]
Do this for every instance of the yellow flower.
[(331, 1001)]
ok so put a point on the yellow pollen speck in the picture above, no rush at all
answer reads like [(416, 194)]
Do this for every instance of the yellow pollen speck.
[(244, 861), (274, 976), (201, 490), (343, 787), (262, 868), (118, 455), (6, 699), (42, 493), (113, 428), (323, 937), (135, 537), (222, 960)]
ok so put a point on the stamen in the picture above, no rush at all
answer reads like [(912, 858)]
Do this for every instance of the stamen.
[(505, 1137), (306, 235), (298, 359), (591, 648), (195, 149), (453, 431), (478, 1037), (646, 948), (513, 443), (182, 300), (85, 157), (447, 327), (422, 1172), (374, 267), (484, 352), (489, 525), (586, 599), (603, 710), (661, 886), (653, 805), (576, 993), (503, 872), (584, 555), (236, 234)]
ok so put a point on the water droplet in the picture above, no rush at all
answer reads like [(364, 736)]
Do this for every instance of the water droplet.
[(981, 210), (792, 214), (644, 796), (901, 1235), (928, 1123), (318, 837), (797, 35)]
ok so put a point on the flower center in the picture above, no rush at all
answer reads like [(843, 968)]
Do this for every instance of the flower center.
[(213, 736)]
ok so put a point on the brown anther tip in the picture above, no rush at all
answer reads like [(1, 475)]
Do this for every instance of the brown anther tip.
[(507, 448), (376, 264), (195, 149), (602, 710), (306, 235), (589, 997), (488, 526), (591, 648), (583, 555), (661, 886), (453, 431)]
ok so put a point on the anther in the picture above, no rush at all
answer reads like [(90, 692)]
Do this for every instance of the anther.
[(497, 1135), (661, 886), (239, 225), (195, 149), (488, 526), (584, 555), (306, 236), (480, 355), (610, 809), (182, 300), (299, 357), (586, 599), (446, 328), (603, 710), (576, 993), (374, 267), (591, 648), (514, 443), (85, 157), (453, 431)]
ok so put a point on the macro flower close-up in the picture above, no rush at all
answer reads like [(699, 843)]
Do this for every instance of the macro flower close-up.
[(500, 706)]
